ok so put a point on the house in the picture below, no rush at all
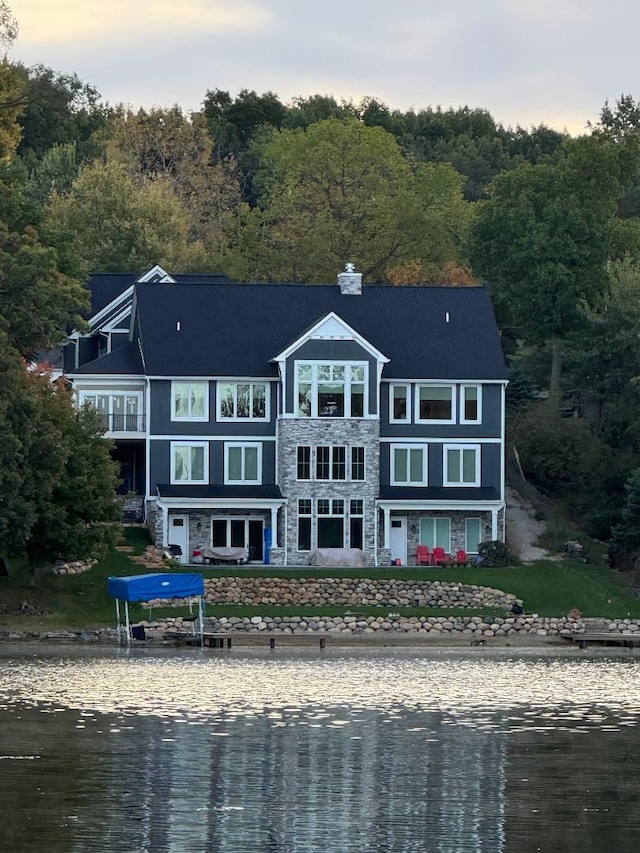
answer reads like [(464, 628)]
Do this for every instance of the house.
[(321, 416)]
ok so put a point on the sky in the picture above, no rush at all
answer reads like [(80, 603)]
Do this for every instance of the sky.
[(527, 62)]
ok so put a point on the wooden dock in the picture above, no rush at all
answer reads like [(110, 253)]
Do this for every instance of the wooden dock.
[(224, 639), (604, 638)]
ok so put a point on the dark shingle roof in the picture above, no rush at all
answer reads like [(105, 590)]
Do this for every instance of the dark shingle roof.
[(123, 361), (236, 329), (438, 493), (265, 492)]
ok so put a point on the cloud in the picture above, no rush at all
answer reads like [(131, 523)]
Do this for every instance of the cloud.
[(45, 22)]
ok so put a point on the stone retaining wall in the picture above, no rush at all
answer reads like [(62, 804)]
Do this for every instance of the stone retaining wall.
[(354, 592)]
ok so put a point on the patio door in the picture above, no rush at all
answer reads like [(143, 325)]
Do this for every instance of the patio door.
[(398, 540)]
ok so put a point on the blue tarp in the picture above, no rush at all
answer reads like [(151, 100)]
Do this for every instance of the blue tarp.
[(160, 585)]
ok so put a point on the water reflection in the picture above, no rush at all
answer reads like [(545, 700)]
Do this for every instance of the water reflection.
[(302, 752)]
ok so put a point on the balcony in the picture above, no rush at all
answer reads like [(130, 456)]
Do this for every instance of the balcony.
[(117, 425)]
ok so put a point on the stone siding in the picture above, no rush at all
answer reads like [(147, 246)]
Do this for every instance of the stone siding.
[(295, 432)]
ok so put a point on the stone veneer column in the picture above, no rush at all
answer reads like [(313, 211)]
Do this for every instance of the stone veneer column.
[(293, 432)]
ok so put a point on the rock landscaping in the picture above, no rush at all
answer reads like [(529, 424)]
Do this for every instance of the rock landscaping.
[(350, 592)]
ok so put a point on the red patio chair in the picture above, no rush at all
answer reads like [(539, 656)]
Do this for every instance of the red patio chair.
[(440, 556), (462, 558), (424, 556)]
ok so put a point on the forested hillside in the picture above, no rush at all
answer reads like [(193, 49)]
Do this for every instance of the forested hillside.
[(265, 190)]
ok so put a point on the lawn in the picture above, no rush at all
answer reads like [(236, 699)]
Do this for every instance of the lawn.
[(546, 588)]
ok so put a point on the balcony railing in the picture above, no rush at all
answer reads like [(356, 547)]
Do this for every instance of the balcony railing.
[(122, 423)]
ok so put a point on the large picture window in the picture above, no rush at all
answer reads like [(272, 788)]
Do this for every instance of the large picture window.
[(189, 401), (462, 465), (242, 401), (189, 462), (436, 532), (408, 465), (435, 403), (242, 463), (331, 390)]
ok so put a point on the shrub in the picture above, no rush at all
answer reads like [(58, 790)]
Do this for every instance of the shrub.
[(495, 553)]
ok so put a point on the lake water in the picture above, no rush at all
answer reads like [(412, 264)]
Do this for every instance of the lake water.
[(319, 752)]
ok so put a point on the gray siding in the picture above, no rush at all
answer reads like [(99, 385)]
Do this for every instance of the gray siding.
[(160, 422), (160, 462), (489, 428)]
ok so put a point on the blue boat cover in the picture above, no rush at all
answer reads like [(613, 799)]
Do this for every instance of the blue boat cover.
[(159, 585)]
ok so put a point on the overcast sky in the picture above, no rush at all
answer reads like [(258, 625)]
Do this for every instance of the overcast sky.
[(526, 61)]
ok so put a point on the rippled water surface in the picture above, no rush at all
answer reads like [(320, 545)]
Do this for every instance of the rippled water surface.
[(298, 752)]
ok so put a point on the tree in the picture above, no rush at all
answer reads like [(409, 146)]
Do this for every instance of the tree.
[(111, 223), (8, 26), (340, 191), (12, 104), (542, 240), (59, 109), (166, 145), (57, 479)]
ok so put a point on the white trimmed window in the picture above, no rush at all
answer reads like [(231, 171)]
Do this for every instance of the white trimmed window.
[(436, 404), (331, 389), (356, 523), (357, 463), (461, 465), (243, 401), (331, 463), (409, 465), (118, 412), (242, 463), (189, 401), (471, 404), (330, 523), (436, 533), (400, 404), (472, 535), (304, 524), (189, 462)]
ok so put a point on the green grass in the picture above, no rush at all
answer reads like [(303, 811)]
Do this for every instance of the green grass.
[(547, 588)]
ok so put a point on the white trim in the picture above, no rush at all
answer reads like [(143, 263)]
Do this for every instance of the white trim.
[(127, 310), (234, 383), (190, 418), (243, 445), (502, 434), (211, 437), (387, 504), (103, 379), (425, 465), (460, 381), (434, 439), (210, 377), (190, 481), (122, 297), (217, 503), (335, 329), (407, 418), (463, 389), (436, 421), (157, 270), (461, 482)]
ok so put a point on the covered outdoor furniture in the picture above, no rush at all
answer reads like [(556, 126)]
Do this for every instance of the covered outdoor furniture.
[(348, 557), (424, 556), (163, 585), (221, 554)]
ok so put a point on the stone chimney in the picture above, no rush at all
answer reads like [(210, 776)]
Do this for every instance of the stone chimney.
[(350, 281)]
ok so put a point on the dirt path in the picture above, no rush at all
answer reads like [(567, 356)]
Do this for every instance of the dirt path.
[(523, 530)]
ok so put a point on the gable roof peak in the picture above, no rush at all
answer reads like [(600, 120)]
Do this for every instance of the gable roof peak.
[(156, 275)]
